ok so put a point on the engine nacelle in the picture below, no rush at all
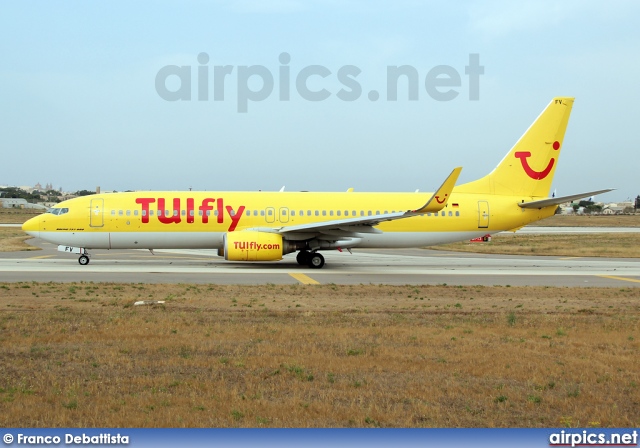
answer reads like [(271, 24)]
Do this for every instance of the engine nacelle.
[(253, 246)]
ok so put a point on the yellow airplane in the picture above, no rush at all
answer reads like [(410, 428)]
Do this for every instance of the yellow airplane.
[(264, 226)]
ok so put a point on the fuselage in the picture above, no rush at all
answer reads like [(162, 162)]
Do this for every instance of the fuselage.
[(173, 220)]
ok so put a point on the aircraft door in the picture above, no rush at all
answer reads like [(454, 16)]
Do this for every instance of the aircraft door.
[(284, 214), (97, 213), (483, 214)]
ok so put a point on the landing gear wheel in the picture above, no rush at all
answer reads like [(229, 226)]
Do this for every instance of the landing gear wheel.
[(302, 258), (83, 260), (316, 260)]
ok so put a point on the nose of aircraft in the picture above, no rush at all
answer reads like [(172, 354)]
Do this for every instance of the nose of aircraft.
[(32, 226)]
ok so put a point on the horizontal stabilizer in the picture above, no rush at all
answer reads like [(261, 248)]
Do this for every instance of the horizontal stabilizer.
[(439, 199), (561, 200)]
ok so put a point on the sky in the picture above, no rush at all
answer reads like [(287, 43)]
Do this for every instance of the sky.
[(134, 95)]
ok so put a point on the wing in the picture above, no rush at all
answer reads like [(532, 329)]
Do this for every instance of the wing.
[(351, 227)]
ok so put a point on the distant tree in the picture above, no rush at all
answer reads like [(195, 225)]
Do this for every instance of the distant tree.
[(593, 208), (84, 193), (13, 192)]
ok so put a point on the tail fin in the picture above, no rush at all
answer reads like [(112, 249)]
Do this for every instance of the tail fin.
[(528, 168)]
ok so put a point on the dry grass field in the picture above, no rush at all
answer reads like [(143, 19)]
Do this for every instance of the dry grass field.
[(17, 215), (81, 355), (12, 239), (590, 221), (611, 245)]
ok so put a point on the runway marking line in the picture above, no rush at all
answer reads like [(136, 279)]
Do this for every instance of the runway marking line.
[(569, 258), (304, 279), (41, 256), (620, 278)]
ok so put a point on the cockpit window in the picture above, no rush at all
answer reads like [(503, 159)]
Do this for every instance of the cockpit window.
[(58, 211)]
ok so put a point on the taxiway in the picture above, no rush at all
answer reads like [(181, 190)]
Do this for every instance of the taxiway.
[(398, 266)]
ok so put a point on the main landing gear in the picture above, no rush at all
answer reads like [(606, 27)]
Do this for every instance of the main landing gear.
[(314, 260)]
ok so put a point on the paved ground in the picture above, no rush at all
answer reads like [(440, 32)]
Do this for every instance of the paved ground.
[(401, 266)]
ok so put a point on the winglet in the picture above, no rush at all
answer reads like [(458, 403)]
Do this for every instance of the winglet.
[(439, 199)]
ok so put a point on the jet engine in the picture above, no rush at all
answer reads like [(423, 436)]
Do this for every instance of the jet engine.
[(256, 246)]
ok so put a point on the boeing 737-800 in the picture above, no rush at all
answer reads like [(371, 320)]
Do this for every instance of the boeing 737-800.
[(264, 226)]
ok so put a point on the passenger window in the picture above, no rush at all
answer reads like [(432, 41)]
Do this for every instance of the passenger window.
[(270, 212), (317, 213), (150, 212), (183, 212), (113, 213), (369, 213), (261, 212), (339, 213), (308, 212), (443, 213), (120, 212), (324, 213), (191, 213), (128, 212), (457, 213), (330, 212), (135, 213), (450, 213), (293, 213)]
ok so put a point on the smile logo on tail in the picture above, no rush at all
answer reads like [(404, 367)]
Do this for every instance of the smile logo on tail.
[(533, 174)]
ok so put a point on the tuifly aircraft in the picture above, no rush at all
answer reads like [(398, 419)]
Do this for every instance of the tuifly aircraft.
[(265, 226)]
